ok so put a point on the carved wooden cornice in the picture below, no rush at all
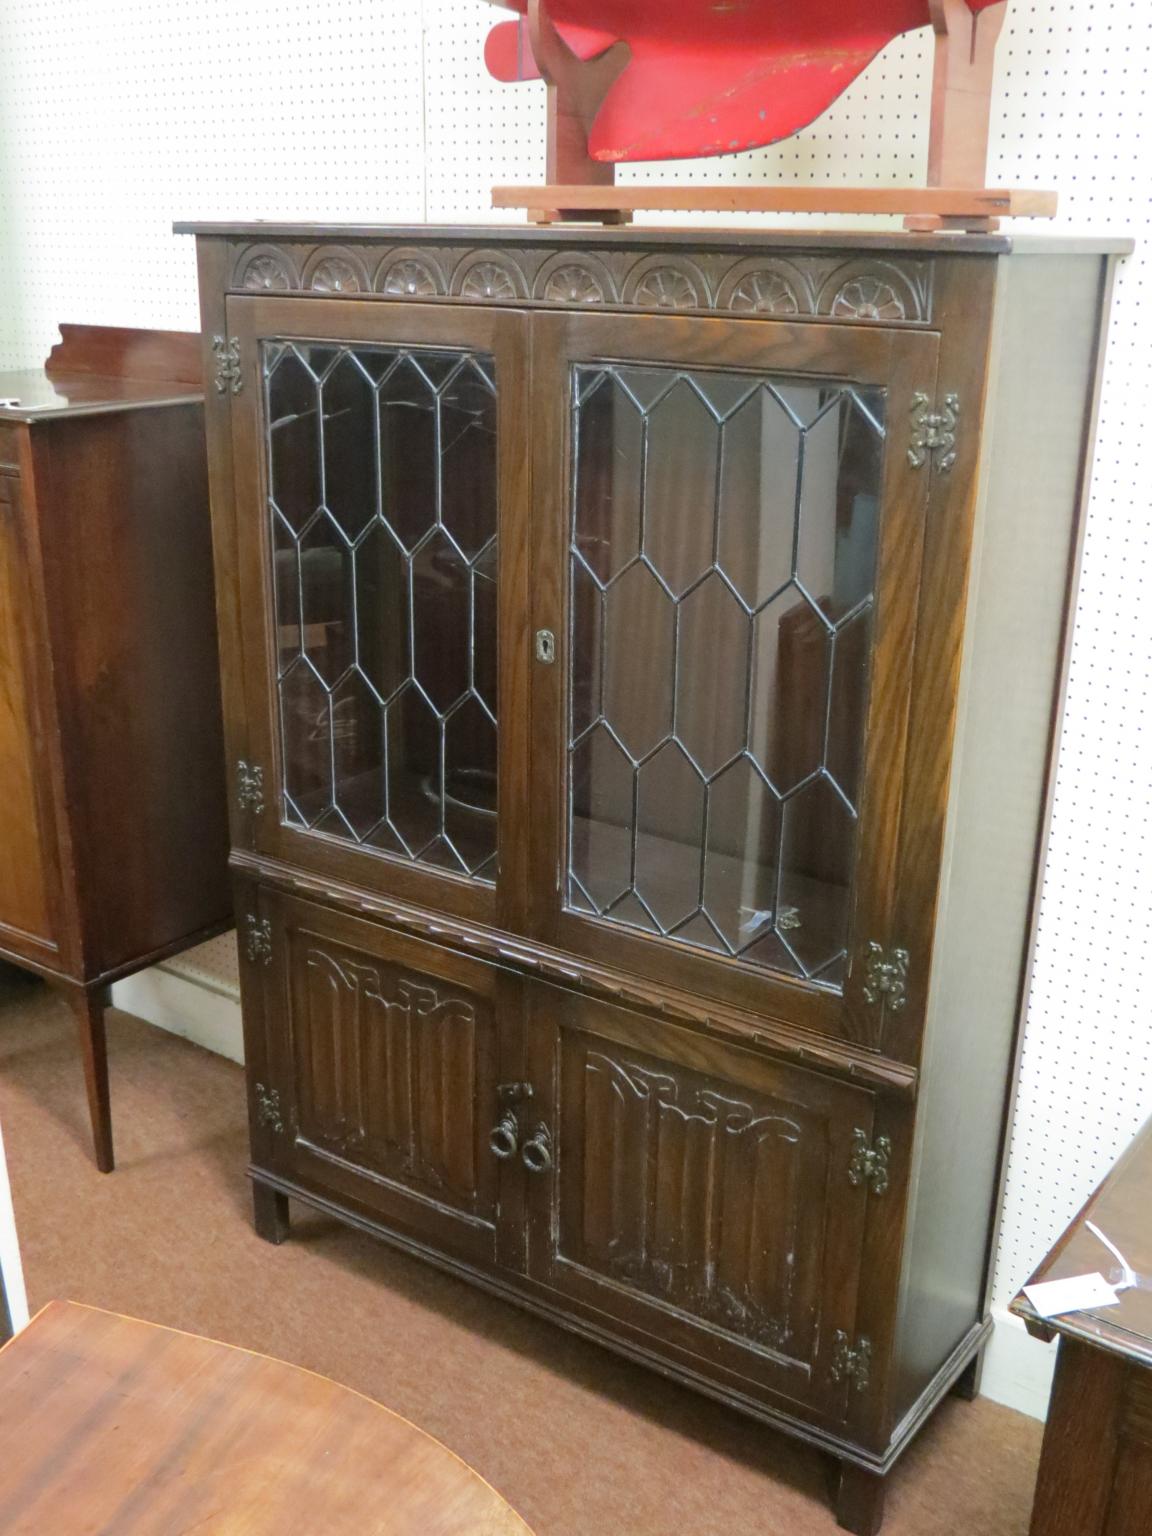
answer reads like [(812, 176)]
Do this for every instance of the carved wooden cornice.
[(805, 285)]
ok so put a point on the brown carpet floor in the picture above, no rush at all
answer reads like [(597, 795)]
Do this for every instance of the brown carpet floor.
[(582, 1444)]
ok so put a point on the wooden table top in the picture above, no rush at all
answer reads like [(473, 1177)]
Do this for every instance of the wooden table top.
[(112, 1427), (1122, 1209)]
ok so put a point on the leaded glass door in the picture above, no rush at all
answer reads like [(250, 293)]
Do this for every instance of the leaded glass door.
[(380, 457), (731, 572)]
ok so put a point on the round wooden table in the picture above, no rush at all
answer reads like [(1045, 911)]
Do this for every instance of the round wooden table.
[(125, 1428)]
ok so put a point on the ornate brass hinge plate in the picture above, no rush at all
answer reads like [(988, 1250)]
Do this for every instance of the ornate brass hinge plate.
[(885, 976), (228, 374), (250, 787), (268, 1108), (933, 432), (869, 1163), (258, 940), (851, 1364)]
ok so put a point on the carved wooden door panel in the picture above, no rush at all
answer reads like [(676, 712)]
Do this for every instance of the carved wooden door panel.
[(729, 559), (698, 1193), (381, 486), (375, 1070)]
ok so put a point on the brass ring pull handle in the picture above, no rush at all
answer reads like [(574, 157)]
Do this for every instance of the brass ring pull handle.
[(536, 1153), (505, 1137)]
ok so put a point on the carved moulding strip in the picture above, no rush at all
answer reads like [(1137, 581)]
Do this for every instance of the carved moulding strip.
[(490, 277), (806, 286), (876, 290), (267, 269), (666, 282), (575, 279), (409, 273), (768, 285), (336, 269), (844, 1059)]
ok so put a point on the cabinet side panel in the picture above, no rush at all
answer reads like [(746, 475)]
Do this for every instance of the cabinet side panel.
[(1033, 470), (25, 906), (127, 554)]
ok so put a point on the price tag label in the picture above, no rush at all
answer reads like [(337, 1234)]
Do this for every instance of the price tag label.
[(1079, 1293)]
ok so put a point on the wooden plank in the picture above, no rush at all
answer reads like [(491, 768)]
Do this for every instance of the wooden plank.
[(951, 202)]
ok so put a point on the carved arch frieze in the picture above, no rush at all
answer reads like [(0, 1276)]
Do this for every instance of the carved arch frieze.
[(336, 269), (409, 273), (266, 269), (576, 280), (879, 291), (802, 285), (489, 277)]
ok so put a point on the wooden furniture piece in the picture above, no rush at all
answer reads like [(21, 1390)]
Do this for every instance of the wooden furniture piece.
[(641, 651), (1095, 1475), (112, 1425), (628, 83), (112, 798)]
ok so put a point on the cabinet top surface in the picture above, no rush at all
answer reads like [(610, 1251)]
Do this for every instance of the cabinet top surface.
[(32, 395), (650, 235), (1121, 1208)]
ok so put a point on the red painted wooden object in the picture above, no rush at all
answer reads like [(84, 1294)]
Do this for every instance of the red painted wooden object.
[(708, 78)]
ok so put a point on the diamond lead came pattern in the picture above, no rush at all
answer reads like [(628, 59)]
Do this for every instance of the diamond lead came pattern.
[(383, 508), (722, 569)]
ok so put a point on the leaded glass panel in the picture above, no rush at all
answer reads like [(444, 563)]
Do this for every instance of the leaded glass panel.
[(721, 582), (383, 521)]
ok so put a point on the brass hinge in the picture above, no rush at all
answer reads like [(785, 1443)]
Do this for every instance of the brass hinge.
[(268, 1108), (258, 940), (885, 976), (933, 432), (850, 1364), (250, 787), (869, 1163), (228, 374)]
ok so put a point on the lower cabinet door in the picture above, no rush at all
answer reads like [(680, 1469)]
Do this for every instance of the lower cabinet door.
[(698, 1194), (381, 1076)]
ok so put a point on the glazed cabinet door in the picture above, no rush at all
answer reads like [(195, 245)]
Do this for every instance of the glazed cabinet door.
[(380, 1068), (726, 582), (381, 483), (28, 891), (698, 1194)]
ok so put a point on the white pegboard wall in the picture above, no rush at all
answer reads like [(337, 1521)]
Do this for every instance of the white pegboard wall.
[(215, 964), (117, 118)]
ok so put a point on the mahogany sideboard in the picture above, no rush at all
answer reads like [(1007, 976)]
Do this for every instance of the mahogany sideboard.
[(641, 658), (113, 825), (1095, 1476)]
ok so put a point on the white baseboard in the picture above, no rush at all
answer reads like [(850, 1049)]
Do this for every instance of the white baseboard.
[(1017, 1368), (209, 1016), (11, 1275)]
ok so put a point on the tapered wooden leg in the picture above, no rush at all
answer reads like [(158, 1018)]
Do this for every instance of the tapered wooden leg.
[(967, 1384), (270, 1213), (859, 1499), (88, 1011)]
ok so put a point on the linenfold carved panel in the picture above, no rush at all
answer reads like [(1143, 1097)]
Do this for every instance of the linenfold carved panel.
[(869, 290), (386, 1071), (694, 1193)]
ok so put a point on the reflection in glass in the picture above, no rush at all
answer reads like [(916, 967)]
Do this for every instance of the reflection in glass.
[(383, 520), (722, 573)]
